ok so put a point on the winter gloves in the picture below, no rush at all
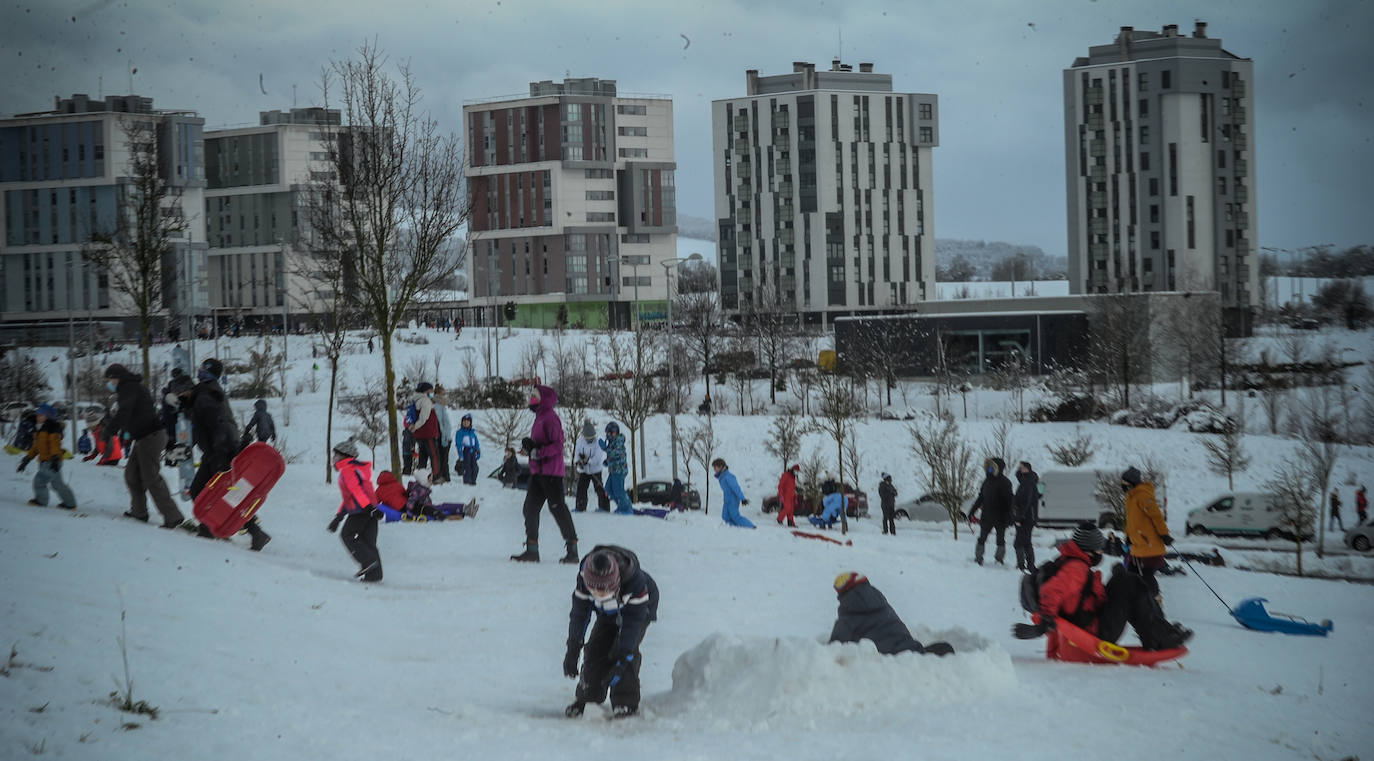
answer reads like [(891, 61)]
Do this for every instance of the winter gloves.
[(24, 463), (334, 524), (570, 660), (1031, 631), (1168, 540), (527, 445)]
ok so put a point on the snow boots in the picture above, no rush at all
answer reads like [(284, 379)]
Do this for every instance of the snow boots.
[(575, 709), (622, 712), (260, 537), (572, 556), (530, 555)]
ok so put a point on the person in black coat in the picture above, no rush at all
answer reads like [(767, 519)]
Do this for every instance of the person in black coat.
[(887, 497), (624, 598), (260, 426), (865, 614), (995, 500), (136, 416), (214, 432), (1025, 511)]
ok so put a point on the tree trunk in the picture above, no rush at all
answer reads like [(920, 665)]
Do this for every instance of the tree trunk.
[(634, 473), (392, 430), (329, 422), (143, 322), (844, 502)]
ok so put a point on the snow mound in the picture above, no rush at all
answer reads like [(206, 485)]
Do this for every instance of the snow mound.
[(764, 683)]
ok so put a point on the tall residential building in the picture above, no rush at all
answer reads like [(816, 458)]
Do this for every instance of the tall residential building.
[(824, 197), (1159, 149), (573, 205), (64, 177), (254, 213)]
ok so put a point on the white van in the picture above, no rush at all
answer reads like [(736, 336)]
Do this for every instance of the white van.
[(1239, 513), (1069, 497)]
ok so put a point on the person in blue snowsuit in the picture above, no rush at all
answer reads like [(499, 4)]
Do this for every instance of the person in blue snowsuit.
[(616, 468), (830, 510), (469, 449), (733, 497)]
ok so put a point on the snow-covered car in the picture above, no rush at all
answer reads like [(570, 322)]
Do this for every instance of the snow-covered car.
[(926, 509), (1360, 538), (655, 492)]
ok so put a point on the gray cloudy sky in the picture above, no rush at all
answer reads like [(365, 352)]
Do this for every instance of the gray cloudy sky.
[(996, 65)]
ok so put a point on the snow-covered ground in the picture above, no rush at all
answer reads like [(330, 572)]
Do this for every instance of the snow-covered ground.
[(280, 655)]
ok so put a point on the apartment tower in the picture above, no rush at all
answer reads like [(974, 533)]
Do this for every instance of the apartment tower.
[(824, 197), (1159, 156), (573, 209)]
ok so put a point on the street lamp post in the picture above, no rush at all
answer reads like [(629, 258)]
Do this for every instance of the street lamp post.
[(668, 268)]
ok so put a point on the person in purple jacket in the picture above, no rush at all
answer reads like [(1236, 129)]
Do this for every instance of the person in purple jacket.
[(544, 446)]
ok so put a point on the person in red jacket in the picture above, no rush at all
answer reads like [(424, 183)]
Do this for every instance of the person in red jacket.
[(358, 511), (1361, 506), (787, 495), (390, 492), (1075, 593), (426, 428)]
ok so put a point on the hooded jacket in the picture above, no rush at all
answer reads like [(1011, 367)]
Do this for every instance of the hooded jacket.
[(865, 614), (426, 422), (614, 447), (134, 413), (547, 433), (1144, 522), (887, 496), (787, 490), (445, 425), (995, 497), (261, 423), (589, 455), (355, 483), (466, 442), (390, 492), (1059, 595), (212, 421), (634, 605)]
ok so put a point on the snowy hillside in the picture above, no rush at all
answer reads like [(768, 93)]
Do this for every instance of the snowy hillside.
[(280, 655)]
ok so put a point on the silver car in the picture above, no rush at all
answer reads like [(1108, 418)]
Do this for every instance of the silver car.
[(1360, 538)]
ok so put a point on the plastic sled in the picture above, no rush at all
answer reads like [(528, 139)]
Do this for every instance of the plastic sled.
[(1252, 615), (233, 496), (1074, 645), (652, 512), (822, 537)]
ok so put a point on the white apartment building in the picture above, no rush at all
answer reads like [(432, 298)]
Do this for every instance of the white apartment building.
[(63, 178), (1159, 158), (573, 209), (824, 193)]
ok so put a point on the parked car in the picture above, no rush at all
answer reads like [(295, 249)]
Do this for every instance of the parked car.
[(656, 493), (927, 509), (12, 411), (1360, 538), (1069, 497), (1242, 513), (856, 504)]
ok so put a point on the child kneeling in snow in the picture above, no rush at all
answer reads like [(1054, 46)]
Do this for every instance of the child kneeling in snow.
[(865, 614), (830, 511)]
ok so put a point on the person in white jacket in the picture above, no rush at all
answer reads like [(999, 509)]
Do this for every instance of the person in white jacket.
[(441, 472), (591, 460)]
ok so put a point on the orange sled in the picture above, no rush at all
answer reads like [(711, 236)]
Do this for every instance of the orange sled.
[(233, 496), (1074, 645)]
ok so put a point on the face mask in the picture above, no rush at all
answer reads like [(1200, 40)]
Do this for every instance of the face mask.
[(111, 385), (1125, 487)]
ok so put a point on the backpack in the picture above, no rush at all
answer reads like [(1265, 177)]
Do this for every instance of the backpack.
[(1030, 590), (412, 414)]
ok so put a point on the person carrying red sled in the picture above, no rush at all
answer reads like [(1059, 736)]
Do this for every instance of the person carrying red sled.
[(1075, 593)]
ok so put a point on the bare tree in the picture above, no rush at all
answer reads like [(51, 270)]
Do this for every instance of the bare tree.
[(772, 327), (632, 391), (953, 476), (702, 324), (882, 349), (1013, 374), (803, 382), (836, 409), (1119, 353), (1272, 393), (702, 443), (504, 425), (784, 438), (138, 251), (1226, 453), (1072, 452), (1191, 327), (396, 187), (1318, 452), (1293, 488), (998, 443), (853, 462), (369, 406)]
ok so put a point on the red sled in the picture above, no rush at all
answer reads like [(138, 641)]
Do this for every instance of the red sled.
[(823, 537), (233, 496), (1074, 645)]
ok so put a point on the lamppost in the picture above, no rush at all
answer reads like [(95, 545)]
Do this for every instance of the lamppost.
[(634, 263), (669, 266)]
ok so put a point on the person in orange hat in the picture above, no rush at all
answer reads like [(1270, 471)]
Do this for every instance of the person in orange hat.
[(865, 614)]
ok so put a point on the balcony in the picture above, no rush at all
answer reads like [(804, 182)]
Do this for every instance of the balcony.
[(744, 171), (744, 216), (1097, 251), (742, 146), (1098, 174), (1242, 221), (1242, 168), (1243, 243), (781, 139), (785, 214), (1097, 147), (1098, 226), (786, 236), (1097, 200), (1240, 142), (1241, 194), (1238, 88), (1238, 114), (1092, 97), (784, 189), (781, 120), (1094, 121)]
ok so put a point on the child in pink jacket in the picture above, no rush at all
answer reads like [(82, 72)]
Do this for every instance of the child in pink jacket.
[(358, 512)]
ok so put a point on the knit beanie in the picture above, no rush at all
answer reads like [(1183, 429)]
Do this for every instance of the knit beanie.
[(1087, 537), (346, 448), (601, 573), (588, 430), (848, 580), (1131, 476)]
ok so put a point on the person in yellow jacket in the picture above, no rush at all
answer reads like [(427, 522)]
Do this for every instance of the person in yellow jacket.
[(1146, 531), (47, 448)]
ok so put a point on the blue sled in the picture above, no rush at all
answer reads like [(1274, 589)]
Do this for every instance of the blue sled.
[(1252, 615)]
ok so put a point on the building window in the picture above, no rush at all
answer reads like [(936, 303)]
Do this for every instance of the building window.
[(632, 131), (628, 110), (926, 111), (1191, 227), (1165, 80), (1154, 239), (1144, 162), (1154, 212), (927, 135), (1144, 106), (1154, 186), (634, 153), (1221, 159), (1221, 186), (600, 216), (600, 195), (1143, 84), (634, 238), (1173, 169)]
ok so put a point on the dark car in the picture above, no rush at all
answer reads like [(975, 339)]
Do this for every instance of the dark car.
[(656, 493), (856, 506)]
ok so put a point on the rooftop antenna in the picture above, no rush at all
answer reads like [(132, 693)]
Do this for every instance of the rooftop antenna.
[(293, 94), (130, 69), (100, 87), (840, 34)]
